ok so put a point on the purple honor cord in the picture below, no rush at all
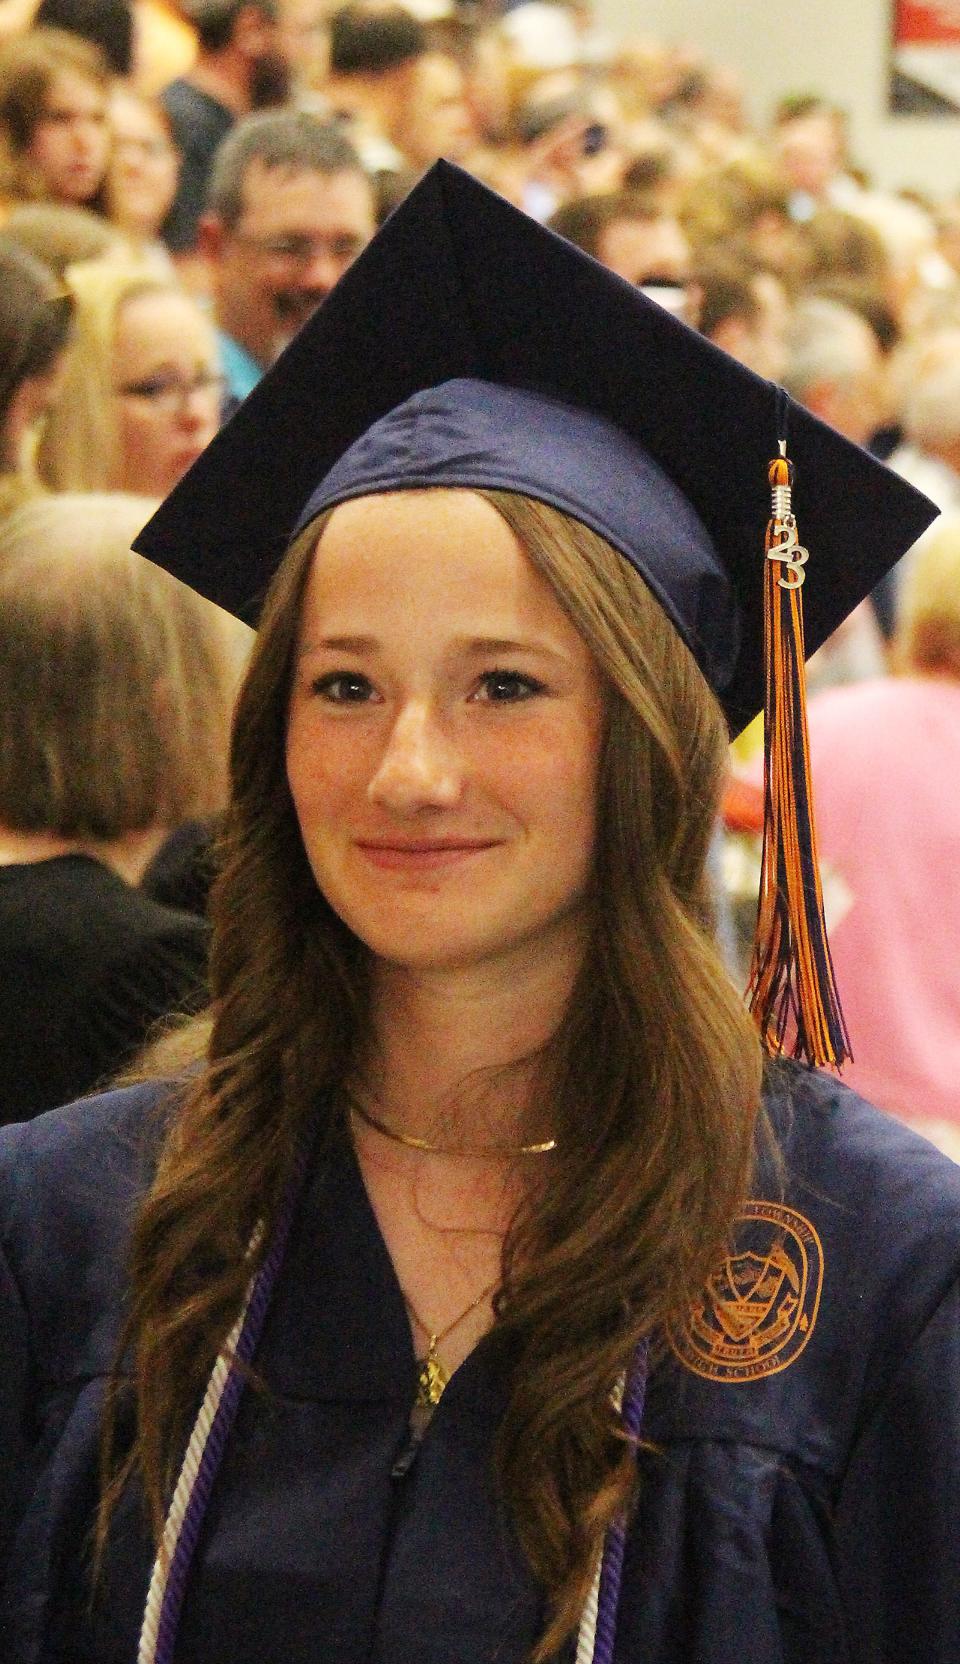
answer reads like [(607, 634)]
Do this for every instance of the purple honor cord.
[(210, 1437), (611, 1564)]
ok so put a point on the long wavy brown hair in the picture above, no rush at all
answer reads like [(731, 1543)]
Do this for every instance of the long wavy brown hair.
[(652, 1079)]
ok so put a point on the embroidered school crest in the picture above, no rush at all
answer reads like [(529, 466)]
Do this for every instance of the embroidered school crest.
[(759, 1309)]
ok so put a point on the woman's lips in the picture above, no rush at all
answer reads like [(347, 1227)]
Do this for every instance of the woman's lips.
[(425, 856), (186, 457)]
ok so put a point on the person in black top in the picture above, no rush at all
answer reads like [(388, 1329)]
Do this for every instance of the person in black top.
[(87, 965), (113, 713)]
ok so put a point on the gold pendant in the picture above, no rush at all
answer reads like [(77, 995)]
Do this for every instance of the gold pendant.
[(431, 1377)]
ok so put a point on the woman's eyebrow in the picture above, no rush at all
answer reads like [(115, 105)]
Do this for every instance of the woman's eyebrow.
[(340, 644), (480, 645), (476, 646)]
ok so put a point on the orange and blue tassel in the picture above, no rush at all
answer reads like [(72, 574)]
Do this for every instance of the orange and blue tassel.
[(792, 990)]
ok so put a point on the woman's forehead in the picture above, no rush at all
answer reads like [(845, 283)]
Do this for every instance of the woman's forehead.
[(446, 557)]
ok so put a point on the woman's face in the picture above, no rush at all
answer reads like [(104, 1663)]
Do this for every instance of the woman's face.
[(444, 737), (144, 165), (167, 388), (70, 144)]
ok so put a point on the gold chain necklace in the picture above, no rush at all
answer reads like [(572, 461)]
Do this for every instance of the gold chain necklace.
[(479, 1152), (432, 1378)]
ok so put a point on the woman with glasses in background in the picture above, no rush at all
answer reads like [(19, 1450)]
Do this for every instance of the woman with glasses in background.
[(142, 391), (142, 176)]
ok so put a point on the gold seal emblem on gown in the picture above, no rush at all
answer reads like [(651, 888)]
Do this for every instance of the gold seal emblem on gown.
[(759, 1309)]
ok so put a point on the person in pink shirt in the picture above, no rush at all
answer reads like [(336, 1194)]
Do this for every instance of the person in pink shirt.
[(885, 756)]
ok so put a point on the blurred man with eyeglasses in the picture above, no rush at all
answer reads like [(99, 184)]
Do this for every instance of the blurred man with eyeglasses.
[(288, 210)]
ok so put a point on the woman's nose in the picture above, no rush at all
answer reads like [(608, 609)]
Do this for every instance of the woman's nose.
[(419, 768)]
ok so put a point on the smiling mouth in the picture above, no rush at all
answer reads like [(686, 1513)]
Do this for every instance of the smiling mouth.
[(423, 853)]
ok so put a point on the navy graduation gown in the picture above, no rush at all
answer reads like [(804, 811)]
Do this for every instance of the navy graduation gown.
[(800, 1505)]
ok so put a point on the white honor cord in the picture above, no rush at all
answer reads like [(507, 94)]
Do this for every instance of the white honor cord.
[(183, 1491), (586, 1640), (587, 1637)]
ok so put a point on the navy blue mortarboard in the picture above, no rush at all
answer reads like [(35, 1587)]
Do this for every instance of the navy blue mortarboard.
[(468, 346), (643, 430)]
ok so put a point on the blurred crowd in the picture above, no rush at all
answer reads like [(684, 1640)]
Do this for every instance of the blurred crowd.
[(182, 182)]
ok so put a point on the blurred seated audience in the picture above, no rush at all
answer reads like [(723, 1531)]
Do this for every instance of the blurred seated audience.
[(165, 44), (867, 302), (947, 225), (885, 756), (436, 119), (743, 310), (568, 142), (142, 176), (54, 133), (240, 66), (878, 313), (744, 203), (809, 148), (108, 24), (628, 233), (485, 59), (645, 72), (711, 95), (115, 694), (375, 48), (545, 36), (60, 236), (919, 279), (289, 209), (305, 46), (834, 366), (928, 373), (142, 389), (653, 165), (837, 244), (35, 321)]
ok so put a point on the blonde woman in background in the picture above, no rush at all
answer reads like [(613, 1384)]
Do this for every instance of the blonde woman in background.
[(142, 391), (116, 687)]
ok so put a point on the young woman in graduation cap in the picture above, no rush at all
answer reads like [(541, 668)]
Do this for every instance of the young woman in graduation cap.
[(481, 1296)]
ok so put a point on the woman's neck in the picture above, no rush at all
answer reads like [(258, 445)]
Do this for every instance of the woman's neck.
[(128, 856), (456, 1050)]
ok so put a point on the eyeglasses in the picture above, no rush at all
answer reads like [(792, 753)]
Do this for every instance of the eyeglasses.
[(151, 150), (172, 393), (296, 250)]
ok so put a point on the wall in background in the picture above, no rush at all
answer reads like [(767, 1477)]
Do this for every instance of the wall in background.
[(835, 47)]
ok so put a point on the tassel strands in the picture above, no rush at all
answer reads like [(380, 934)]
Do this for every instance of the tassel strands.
[(792, 985)]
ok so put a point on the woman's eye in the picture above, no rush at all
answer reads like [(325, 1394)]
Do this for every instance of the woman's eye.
[(504, 687), (343, 687)]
